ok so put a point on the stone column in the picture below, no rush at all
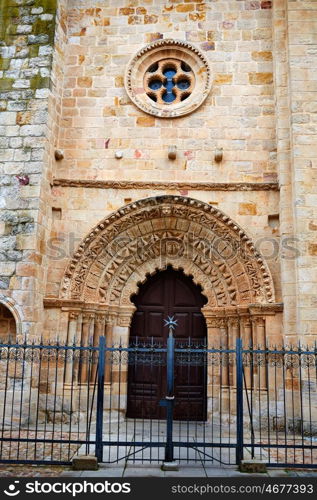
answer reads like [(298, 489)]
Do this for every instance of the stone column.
[(246, 334), (121, 333), (258, 341), (234, 333), (223, 328), (71, 340), (77, 342), (100, 327), (109, 326), (258, 328), (213, 368), (99, 330), (213, 332), (86, 339)]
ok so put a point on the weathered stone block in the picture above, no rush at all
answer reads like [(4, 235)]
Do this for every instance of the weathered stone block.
[(85, 462), (145, 121), (84, 81), (312, 249), (260, 78), (247, 209), (253, 466)]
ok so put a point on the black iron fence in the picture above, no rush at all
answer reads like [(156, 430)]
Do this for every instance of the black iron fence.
[(151, 402)]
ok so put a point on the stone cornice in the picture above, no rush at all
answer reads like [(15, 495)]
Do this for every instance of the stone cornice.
[(159, 185)]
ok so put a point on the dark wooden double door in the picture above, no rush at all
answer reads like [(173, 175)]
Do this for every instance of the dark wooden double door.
[(167, 293)]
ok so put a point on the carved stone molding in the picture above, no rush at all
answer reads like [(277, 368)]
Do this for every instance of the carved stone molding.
[(159, 185), (265, 309), (154, 232), (157, 53)]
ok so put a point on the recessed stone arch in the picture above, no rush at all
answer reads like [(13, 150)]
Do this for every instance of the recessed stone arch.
[(176, 230), (10, 319)]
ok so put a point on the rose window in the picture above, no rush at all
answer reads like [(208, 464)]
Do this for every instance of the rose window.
[(168, 78), (169, 81)]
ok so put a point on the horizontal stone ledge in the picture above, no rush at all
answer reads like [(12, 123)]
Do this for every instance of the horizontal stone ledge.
[(157, 185)]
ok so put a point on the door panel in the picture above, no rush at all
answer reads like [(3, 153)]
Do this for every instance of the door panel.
[(154, 324), (167, 293)]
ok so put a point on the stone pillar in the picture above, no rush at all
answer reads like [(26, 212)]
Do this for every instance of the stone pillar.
[(234, 333), (259, 341), (246, 334), (110, 323), (223, 328), (72, 327), (100, 327), (121, 333), (213, 332), (100, 322), (77, 341), (71, 340), (213, 368), (86, 339)]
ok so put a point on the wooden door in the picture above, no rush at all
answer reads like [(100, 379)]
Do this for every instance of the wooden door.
[(167, 293)]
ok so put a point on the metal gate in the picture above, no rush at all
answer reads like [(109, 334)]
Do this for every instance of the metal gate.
[(149, 439), (58, 401)]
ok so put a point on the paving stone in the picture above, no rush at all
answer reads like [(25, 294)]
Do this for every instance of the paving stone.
[(104, 473)]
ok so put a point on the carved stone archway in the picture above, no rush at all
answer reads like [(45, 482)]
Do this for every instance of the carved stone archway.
[(168, 228), (146, 236)]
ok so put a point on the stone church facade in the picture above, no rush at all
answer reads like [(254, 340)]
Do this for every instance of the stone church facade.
[(137, 135)]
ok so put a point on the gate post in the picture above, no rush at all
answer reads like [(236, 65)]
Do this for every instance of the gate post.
[(169, 450), (100, 398), (239, 401)]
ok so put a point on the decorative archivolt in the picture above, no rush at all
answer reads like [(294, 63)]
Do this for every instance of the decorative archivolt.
[(167, 230)]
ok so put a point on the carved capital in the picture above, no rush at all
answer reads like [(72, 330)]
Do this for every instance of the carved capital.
[(216, 322), (233, 322), (257, 321), (124, 320), (111, 318), (73, 315), (88, 317), (100, 319)]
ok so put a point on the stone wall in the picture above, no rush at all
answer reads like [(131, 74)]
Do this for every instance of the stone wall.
[(261, 111), (27, 34), (302, 47), (98, 119)]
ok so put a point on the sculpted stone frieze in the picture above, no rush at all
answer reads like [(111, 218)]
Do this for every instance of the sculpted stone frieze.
[(170, 228), (159, 185)]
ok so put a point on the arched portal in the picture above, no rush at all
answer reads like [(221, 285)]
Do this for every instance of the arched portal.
[(150, 233), (167, 293), (8, 329), (145, 237)]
